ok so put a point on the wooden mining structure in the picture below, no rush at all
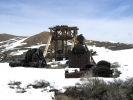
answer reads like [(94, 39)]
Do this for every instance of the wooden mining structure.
[(58, 39)]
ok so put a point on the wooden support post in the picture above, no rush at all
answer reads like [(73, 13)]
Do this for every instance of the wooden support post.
[(66, 48), (73, 42), (48, 43), (51, 55), (69, 32), (55, 49), (57, 45), (90, 54), (63, 45)]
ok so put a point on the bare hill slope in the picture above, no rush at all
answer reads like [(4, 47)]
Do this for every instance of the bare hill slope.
[(38, 38), (4, 37)]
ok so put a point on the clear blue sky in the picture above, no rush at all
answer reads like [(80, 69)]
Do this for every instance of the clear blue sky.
[(102, 20)]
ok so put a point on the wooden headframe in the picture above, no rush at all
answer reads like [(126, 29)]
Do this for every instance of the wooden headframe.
[(61, 33)]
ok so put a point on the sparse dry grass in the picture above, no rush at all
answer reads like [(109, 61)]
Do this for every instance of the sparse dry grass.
[(63, 97)]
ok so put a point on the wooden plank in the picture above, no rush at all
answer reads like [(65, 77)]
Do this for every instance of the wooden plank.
[(48, 43), (55, 49), (51, 46), (66, 49)]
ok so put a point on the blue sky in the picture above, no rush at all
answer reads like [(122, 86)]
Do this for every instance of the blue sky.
[(103, 20)]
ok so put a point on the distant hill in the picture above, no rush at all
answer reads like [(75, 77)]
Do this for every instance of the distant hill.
[(109, 45), (38, 38), (4, 37)]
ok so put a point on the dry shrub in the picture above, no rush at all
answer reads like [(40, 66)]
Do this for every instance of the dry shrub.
[(88, 74), (63, 97), (97, 89), (116, 73), (93, 88), (39, 84), (115, 65)]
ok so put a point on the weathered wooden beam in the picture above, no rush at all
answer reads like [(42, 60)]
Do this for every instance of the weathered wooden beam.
[(55, 49), (66, 48), (51, 56), (63, 45), (48, 43)]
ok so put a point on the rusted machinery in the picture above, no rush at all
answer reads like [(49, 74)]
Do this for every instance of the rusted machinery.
[(80, 57)]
